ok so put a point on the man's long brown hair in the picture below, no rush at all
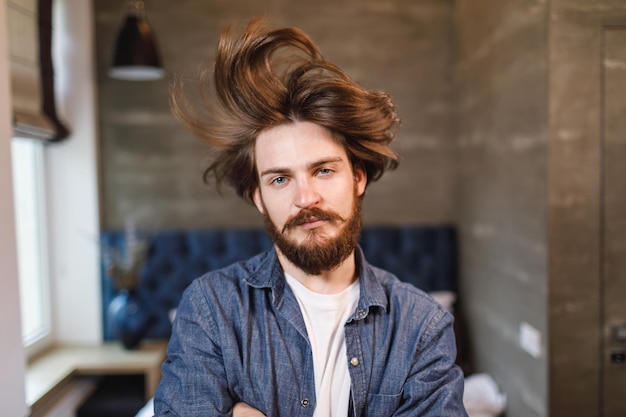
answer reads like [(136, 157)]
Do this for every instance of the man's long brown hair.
[(265, 78)]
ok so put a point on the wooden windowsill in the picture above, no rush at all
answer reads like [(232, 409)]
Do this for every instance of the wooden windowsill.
[(51, 371)]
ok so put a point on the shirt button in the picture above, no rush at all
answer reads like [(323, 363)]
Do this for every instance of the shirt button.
[(305, 402), (354, 361)]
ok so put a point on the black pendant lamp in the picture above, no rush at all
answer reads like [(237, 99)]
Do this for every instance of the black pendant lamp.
[(136, 55)]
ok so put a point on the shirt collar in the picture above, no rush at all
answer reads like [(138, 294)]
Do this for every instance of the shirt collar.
[(266, 272), (372, 291)]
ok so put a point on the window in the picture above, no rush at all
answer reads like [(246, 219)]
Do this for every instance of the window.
[(28, 185)]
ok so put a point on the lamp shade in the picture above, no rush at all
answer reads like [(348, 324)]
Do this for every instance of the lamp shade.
[(136, 55)]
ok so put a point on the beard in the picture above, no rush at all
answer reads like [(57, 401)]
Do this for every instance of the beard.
[(318, 253)]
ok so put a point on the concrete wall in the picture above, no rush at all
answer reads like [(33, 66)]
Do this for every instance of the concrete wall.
[(151, 168), (501, 195), (540, 197), (586, 205)]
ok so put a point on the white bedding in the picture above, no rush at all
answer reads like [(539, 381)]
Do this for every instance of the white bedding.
[(147, 410)]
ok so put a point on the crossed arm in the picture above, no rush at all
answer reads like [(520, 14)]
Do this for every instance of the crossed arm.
[(244, 410)]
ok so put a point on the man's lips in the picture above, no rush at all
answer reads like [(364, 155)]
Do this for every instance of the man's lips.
[(312, 223), (310, 219)]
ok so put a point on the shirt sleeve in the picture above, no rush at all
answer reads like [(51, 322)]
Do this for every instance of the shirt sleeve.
[(435, 384), (193, 381)]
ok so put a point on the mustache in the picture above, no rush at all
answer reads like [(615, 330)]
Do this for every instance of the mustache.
[(307, 214)]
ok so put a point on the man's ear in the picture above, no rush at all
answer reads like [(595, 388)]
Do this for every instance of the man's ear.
[(258, 201), (360, 178)]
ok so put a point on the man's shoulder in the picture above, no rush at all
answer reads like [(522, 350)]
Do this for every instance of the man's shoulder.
[(392, 283), (239, 272), (405, 296)]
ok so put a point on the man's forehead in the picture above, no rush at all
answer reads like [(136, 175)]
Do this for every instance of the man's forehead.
[(314, 164), (301, 144)]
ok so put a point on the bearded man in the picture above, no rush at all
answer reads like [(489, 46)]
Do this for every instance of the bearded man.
[(308, 328)]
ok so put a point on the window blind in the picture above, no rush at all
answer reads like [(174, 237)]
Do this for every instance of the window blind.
[(32, 75)]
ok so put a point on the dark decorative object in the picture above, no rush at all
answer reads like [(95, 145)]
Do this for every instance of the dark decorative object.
[(127, 313), (129, 318)]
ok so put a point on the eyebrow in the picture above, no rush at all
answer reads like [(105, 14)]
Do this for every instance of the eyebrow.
[(311, 165)]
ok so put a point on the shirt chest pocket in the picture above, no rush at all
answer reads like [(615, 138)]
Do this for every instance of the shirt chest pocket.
[(379, 405)]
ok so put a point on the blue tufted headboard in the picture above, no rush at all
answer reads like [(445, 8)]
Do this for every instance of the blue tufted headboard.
[(426, 256)]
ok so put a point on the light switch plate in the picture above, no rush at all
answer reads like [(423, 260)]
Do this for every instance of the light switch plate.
[(530, 339), (619, 333)]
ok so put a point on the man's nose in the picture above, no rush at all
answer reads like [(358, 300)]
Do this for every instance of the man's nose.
[(306, 194)]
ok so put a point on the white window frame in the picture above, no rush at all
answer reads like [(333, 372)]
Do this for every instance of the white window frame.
[(41, 337)]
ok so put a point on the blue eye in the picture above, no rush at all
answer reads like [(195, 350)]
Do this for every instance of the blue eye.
[(279, 180), (325, 171)]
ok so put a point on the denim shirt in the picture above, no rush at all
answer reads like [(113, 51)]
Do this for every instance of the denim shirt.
[(239, 336)]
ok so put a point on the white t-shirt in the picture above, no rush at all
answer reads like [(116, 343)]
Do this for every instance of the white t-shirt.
[(324, 317)]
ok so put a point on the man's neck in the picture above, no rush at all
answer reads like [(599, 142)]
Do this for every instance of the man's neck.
[(328, 282)]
